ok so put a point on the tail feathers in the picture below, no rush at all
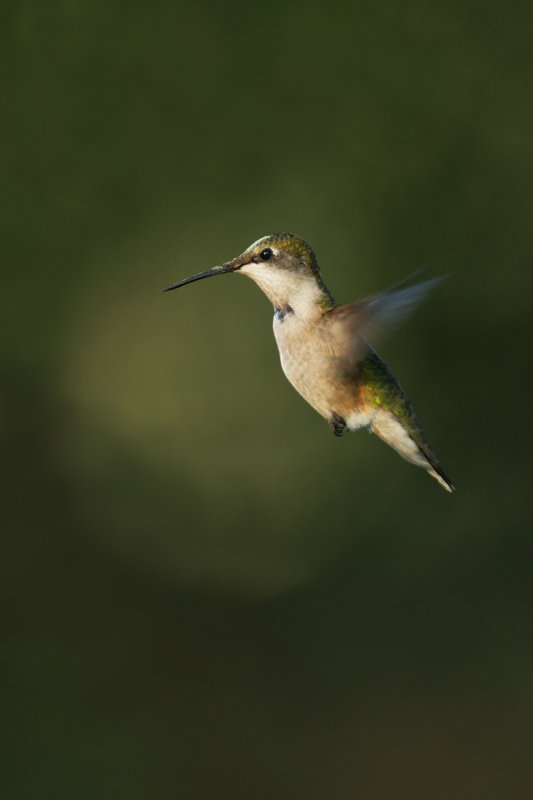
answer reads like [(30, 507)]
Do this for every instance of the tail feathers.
[(442, 479), (435, 469), (387, 427)]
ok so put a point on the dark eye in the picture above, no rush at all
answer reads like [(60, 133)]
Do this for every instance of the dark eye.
[(266, 254)]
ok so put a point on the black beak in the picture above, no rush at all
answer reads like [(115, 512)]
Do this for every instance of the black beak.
[(231, 266)]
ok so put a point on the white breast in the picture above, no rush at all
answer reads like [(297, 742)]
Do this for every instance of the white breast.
[(306, 361)]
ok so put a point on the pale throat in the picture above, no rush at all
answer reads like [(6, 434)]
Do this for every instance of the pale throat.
[(301, 293)]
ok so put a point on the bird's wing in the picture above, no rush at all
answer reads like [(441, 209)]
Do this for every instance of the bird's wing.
[(393, 305), (351, 326)]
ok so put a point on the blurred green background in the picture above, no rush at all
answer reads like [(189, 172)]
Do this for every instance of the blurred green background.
[(204, 593)]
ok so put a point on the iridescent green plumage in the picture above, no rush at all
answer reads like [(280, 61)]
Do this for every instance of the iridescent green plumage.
[(384, 392)]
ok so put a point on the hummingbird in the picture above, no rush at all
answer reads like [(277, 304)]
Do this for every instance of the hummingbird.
[(325, 348)]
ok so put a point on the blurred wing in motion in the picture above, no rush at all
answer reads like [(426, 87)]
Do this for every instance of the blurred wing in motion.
[(352, 325)]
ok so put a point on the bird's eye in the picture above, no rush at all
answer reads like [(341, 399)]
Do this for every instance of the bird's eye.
[(266, 254)]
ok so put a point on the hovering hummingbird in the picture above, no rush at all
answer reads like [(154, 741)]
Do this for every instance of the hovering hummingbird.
[(324, 349)]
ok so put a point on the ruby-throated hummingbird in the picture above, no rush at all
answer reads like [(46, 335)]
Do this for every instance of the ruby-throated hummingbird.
[(324, 349)]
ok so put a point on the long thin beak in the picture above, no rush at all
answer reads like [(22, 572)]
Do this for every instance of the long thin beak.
[(220, 269)]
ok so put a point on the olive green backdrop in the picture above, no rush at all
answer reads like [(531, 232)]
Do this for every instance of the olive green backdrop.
[(204, 593)]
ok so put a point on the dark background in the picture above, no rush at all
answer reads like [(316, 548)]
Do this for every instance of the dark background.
[(204, 593)]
